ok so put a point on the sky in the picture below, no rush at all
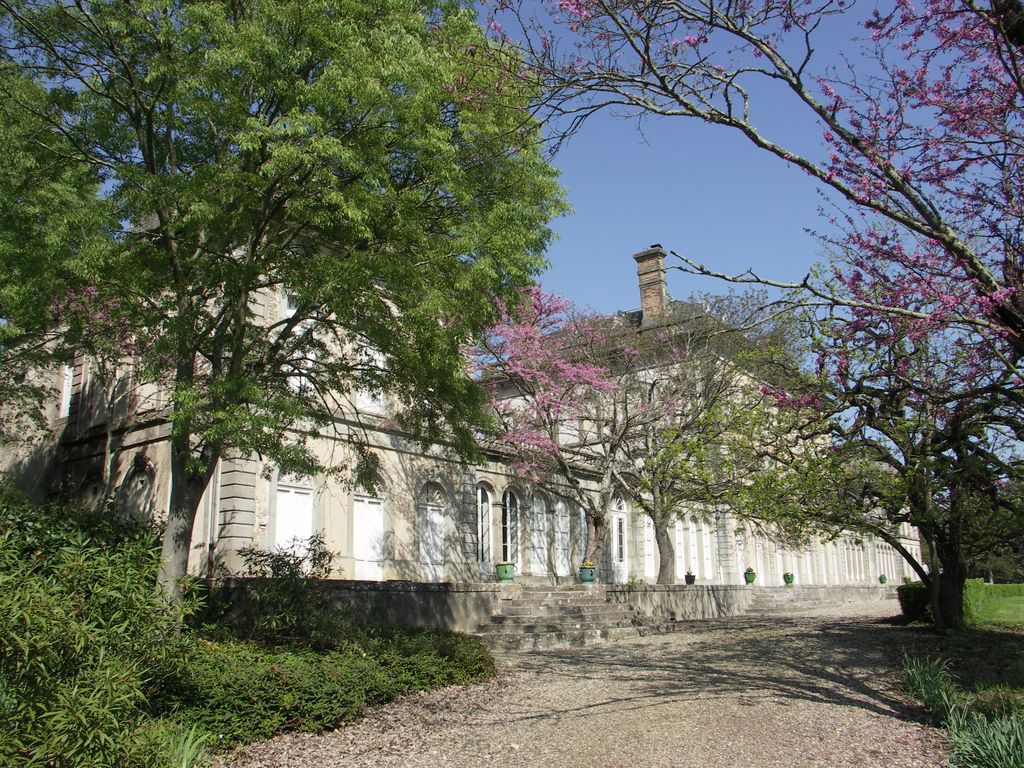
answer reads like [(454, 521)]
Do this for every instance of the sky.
[(701, 191), (696, 189)]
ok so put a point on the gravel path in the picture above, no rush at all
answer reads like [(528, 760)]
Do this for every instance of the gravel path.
[(808, 691)]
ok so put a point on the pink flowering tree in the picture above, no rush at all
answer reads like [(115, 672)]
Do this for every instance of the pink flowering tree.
[(695, 380), (592, 407), (905, 429), (546, 367), (919, 117), (920, 124)]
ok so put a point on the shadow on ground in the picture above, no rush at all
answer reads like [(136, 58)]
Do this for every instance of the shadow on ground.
[(842, 661)]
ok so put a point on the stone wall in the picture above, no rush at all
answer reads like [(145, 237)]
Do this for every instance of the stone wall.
[(679, 602), (460, 607), (676, 602)]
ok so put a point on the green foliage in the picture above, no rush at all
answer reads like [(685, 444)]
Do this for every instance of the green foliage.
[(986, 728), (929, 680), (85, 639), (914, 601), (975, 596), (281, 598), (51, 230), (377, 162), (993, 603), (240, 691), (94, 671), (978, 742)]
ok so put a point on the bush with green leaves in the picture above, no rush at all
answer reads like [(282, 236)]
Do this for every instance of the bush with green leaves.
[(85, 640), (975, 595), (914, 602), (244, 691), (280, 598)]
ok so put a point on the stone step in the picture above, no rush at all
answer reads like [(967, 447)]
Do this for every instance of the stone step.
[(552, 610), (519, 641), (584, 599), (604, 614), (552, 626)]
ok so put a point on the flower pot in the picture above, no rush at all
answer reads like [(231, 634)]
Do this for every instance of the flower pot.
[(588, 574), (749, 576), (690, 578), (788, 578), (506, 572), (883, 579)]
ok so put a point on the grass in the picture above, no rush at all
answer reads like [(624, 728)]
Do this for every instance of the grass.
[(1005, 611)]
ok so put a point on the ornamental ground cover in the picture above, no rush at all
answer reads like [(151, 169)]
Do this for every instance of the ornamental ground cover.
[(972, 683), (97, 670)]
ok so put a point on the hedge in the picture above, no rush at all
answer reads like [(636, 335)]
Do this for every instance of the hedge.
[(975, 595), (914, 601)]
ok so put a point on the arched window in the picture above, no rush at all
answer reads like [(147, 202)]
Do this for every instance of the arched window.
[(483, 524), (430, 518), (509, 527)]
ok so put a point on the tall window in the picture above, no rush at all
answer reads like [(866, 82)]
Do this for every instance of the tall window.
[(67, 382), (620, 539), (483, 524), (509, 527)]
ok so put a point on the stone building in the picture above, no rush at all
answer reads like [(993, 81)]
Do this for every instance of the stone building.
[(434, 518)]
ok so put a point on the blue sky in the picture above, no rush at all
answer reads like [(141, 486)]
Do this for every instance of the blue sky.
[(699, 190)]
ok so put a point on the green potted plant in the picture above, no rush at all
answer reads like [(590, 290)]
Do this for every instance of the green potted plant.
[(749, 576), (588, 572), (690, 578), (506, 572), (883, 579), (788, 578)]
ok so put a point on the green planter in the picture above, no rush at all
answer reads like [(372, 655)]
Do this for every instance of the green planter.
[(749, 576), (588, 574), (883, 579), (690, 578), (506, 572), (788, 578)]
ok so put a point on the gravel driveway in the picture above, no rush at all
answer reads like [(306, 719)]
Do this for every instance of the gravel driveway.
[(807, 691)]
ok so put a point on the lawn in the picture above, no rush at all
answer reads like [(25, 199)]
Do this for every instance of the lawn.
[(1002, 610)]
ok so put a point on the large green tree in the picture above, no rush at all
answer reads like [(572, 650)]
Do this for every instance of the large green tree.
[(373, 161), (51, 230)]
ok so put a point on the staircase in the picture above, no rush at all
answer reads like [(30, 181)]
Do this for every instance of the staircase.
[(548, 617)]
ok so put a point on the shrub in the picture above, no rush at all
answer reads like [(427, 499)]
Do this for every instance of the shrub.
[(986, 729), (975, 594), (244, 691), (280, 599), (84, 637), (914, 601)]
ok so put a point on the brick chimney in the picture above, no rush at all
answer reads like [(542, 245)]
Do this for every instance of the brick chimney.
[(650, 269)]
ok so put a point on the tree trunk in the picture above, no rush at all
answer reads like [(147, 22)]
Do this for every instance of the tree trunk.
[(186, 493), (666, 554), (951, 601), (597, 529), (951, 589)]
